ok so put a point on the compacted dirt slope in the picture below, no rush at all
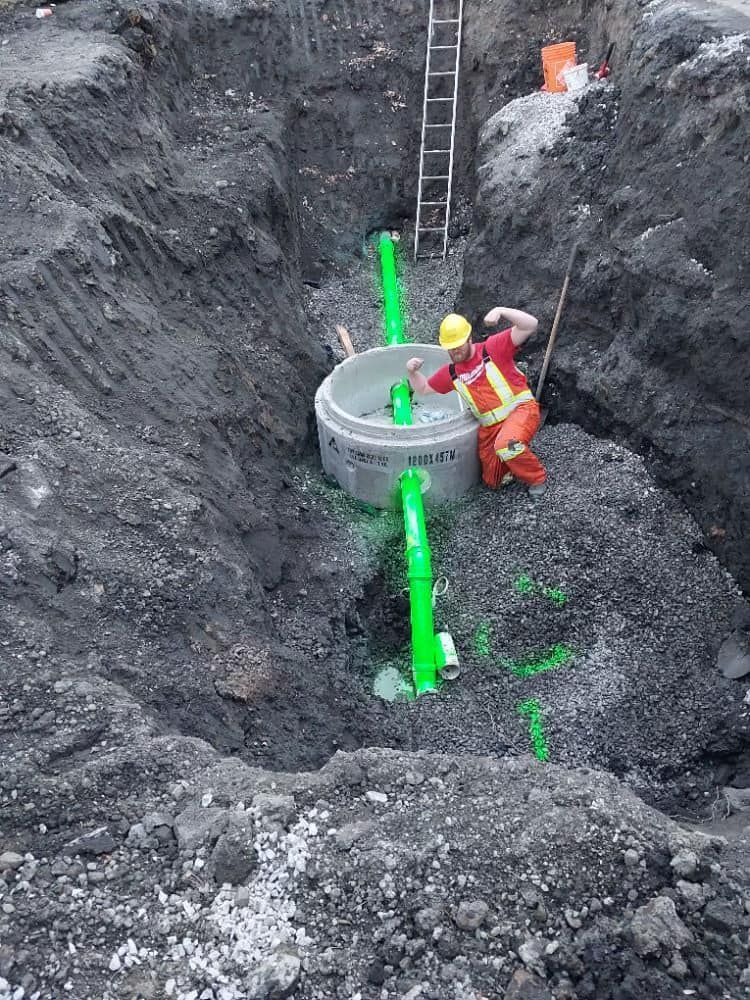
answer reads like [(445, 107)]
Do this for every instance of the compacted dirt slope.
[(158, 366)]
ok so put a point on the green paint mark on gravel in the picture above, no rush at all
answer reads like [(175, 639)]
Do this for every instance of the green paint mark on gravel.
[(558, 656), (532, 709), (523, 584)]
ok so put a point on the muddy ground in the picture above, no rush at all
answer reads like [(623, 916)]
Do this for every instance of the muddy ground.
[(188, 193)]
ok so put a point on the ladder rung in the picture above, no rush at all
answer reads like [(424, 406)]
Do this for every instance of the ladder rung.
[(425, 229), (434, 47), (436, 151), (436, 177), (438, 100), (444, 125), (442, 72), (452, 20)]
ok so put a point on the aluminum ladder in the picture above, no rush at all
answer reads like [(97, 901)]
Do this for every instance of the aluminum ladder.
[(438, 128)]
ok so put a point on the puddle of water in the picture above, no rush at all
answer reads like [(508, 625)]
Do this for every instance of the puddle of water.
[(391, 686)]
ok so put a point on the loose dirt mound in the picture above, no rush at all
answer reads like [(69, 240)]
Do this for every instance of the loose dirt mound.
[(384, 875)]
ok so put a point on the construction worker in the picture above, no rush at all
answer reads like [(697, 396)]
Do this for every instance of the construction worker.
[(496, 392)]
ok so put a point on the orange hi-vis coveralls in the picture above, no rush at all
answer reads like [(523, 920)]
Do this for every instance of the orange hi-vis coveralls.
[(498, 395)]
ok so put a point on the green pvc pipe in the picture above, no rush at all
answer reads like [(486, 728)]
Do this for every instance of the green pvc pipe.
[(401, 404), (418, 559), (419, 573), (394, 328)]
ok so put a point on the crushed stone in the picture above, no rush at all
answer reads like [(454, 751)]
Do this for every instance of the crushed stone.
[(512, 140), (719, 49)]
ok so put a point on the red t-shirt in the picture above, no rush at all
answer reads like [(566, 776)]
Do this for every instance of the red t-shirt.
[(501, 350)]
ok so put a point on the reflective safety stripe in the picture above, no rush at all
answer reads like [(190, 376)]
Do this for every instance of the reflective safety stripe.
[(508, 399), (513, 450), (461, 389), (495, 416), (497, 380)]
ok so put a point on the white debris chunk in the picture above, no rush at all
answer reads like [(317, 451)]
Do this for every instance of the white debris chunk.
[(245, 938), (719, 50)]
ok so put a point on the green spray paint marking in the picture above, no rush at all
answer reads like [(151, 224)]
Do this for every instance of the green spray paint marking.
[(555, 595), (482, 639), (531, 708), (558, 656), (525, 585)]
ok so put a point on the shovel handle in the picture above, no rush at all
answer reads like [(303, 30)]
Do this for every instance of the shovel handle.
[(556, 322)]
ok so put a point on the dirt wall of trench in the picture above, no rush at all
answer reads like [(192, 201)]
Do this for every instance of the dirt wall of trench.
[(170, 178), (651, 178)]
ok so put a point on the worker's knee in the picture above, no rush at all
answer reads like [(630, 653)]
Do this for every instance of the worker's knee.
[(508, 449)]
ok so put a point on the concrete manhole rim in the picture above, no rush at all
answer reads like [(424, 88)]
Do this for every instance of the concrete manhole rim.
[(396, 436)]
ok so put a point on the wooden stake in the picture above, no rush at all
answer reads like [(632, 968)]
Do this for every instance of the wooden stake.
[(346, 341)]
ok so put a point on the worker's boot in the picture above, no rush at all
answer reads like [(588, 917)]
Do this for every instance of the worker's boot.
[(538, 491)]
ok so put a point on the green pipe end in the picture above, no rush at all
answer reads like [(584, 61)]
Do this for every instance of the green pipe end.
[(425, 678)]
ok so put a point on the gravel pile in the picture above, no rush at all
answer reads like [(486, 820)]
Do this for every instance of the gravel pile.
[(602, 603), (354, 300), (383, 875), (720, 49), (512, 140)]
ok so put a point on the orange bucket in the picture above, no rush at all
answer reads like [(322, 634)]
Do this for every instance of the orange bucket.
[(556, 58)]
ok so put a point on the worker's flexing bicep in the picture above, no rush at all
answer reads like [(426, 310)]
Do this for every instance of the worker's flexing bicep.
[(519, 336), (523, 323)]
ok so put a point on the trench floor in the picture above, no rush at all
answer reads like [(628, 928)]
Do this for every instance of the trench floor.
[(595, 615)]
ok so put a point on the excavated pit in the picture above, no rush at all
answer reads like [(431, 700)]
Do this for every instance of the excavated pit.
[(609, 583), (188, 194), (161, 362)]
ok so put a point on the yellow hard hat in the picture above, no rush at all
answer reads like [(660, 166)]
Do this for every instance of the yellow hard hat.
[(454, 331)]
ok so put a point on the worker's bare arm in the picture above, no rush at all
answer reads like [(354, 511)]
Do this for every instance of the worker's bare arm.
[(416, 379), (523, 324)]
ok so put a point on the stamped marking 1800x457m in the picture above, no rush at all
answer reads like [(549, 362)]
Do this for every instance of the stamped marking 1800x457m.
[(432, 458)]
